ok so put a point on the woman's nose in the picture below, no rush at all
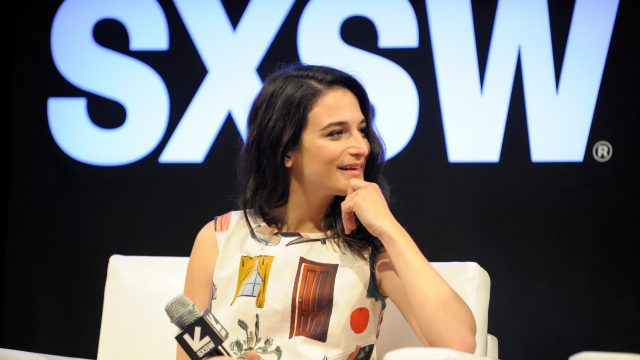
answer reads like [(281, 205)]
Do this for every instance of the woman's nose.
[(359, 144)]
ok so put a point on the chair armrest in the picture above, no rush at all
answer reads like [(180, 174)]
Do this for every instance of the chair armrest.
[(10, 354), (430, 353), (604, 355), (492, 347)]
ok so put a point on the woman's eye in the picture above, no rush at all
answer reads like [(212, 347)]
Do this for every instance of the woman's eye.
[(336, 133), (340, 132)]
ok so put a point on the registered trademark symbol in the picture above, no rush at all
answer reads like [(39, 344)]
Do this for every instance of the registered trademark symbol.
[(602, 151)]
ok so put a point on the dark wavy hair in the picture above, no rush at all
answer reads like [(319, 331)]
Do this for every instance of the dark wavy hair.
[(276, 121)]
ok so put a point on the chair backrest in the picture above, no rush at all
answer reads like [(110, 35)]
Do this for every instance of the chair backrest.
[(137, 288), (134, 324), (470, 281)]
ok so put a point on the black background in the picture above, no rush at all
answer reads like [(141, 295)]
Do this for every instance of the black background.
[(560, 240)]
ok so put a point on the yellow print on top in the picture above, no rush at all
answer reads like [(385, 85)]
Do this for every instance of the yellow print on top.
[(253, 278)]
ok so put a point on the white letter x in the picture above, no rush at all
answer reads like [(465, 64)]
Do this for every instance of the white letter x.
[(232, 82)]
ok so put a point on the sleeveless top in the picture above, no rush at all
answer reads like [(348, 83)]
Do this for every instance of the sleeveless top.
[(292, 295)]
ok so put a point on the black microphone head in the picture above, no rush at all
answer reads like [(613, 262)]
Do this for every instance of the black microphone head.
[(181, 311)]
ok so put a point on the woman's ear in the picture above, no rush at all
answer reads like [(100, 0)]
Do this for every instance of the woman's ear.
[(288, 160)]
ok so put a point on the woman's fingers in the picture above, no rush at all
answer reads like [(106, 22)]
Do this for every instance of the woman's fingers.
[(355, 184), (365, 203), (348, 217), (252, 355)]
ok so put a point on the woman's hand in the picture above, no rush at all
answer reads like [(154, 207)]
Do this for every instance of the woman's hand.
[(365, 201), (252, 355)]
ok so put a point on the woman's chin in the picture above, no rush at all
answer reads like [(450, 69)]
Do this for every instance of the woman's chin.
[(342, 191)]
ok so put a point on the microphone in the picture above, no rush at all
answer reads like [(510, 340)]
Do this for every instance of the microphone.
[(200, 336)]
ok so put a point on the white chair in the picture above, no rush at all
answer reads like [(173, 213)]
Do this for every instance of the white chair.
[(10, 354), (135, 326), (398, 341), (604, 355)]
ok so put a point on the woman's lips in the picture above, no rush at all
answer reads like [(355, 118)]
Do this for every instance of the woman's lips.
[(352, 169)]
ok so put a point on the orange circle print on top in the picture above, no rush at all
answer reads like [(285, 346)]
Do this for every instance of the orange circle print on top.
[(359, 320)]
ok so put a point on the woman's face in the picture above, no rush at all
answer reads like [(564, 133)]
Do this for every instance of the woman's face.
[(333, 146)]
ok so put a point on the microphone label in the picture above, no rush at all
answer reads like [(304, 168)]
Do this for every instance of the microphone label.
[(196, 342), (200, 338)]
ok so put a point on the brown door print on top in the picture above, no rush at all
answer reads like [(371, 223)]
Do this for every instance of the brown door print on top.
[(312, 299)]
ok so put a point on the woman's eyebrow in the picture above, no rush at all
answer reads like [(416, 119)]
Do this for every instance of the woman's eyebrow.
[(340, 124)]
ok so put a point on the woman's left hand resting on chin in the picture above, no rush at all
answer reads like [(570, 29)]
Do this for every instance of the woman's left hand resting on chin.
[(437, 314), (366, 201)]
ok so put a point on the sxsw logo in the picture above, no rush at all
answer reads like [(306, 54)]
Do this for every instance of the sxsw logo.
[(201, 336), (474, 112), (200, 345)]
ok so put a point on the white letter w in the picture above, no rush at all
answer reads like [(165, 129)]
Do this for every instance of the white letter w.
[(558, 116)]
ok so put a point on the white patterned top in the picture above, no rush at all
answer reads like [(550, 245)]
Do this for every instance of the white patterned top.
[(292, 295)]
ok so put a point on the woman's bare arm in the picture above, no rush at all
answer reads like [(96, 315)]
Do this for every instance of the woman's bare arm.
[(199, 279)]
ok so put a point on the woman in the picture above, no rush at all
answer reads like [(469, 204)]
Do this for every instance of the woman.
[(303, 271)]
